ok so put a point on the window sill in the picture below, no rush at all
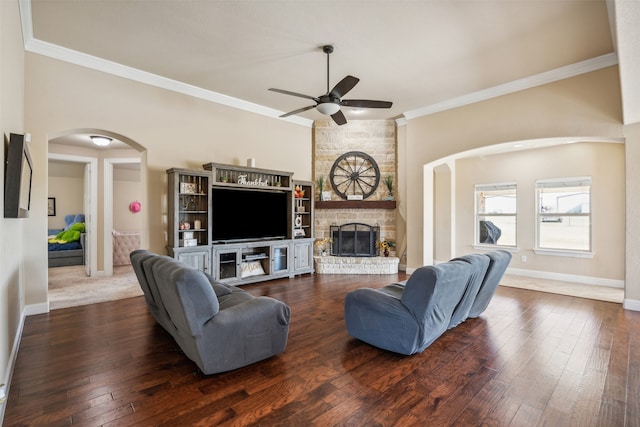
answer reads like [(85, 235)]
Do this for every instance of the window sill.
[(482, 247), (572, 254)]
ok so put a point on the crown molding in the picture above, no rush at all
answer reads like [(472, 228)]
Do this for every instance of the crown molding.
[(551, 76), (50, 50)]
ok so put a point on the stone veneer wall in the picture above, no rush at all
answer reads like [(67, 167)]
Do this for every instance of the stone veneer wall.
[(376, 138)]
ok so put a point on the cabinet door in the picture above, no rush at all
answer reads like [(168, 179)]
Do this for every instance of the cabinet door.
[(280, 259), (226, 265), (197, 259), (303, 257)]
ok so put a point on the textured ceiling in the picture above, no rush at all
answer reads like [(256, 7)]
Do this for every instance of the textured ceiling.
[(414, 53)]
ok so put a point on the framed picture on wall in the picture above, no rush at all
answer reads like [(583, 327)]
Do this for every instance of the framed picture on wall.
[(51, 206)]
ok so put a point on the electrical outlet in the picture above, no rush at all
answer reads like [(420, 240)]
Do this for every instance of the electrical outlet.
[(523, 258)]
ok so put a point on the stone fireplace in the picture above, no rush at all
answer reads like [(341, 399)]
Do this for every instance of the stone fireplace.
[(377, 138), (354, 239)]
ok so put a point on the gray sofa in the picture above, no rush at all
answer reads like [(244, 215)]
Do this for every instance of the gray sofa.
[(409, 316), (219, 327)]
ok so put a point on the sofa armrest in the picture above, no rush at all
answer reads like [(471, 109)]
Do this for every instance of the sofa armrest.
[(251, 312)]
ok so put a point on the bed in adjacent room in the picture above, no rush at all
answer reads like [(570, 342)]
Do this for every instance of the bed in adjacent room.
[(66, 246)]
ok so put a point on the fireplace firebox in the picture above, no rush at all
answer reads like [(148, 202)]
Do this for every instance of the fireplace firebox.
[(354, 239)]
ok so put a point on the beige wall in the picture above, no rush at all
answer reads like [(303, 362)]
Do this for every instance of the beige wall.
[(66, 184), (603, 162), (69, 195), (442, 221), (12, 231), (127, 188), (174, 129), (586, 105)]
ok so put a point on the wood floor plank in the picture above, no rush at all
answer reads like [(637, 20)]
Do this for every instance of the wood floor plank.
[(530, 359)]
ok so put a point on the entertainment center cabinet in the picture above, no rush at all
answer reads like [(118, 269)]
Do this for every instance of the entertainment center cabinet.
[(240, 224)]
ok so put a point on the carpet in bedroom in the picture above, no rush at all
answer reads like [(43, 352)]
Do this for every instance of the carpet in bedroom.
[(70, 286)]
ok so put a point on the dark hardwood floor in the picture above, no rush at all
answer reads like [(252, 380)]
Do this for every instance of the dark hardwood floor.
[(531, 359)]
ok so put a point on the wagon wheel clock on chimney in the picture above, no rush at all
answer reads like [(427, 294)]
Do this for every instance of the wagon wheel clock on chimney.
[(354, 173)]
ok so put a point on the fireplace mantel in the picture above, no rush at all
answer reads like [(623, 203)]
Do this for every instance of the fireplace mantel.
[(355, 204)]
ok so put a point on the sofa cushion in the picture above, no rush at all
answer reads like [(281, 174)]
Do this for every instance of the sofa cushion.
[(433, 295), (498, 262), (163, 317), (137, 258), (187, 295), (479, 265), (219, 288)]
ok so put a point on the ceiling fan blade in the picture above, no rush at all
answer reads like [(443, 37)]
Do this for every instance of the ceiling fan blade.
[(287, 92), (299, 110), (344, 86), (339, 118), (365, 103)]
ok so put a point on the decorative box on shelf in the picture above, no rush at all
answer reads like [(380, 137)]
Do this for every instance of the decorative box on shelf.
[(186, 243)]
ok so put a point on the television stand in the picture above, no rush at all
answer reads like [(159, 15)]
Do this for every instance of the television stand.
[(249, 262)]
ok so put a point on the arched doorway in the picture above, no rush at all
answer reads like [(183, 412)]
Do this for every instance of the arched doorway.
[(99, 199)]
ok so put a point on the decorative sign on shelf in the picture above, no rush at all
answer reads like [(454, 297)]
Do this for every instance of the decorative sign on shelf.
[(258, 182), (249, 176)]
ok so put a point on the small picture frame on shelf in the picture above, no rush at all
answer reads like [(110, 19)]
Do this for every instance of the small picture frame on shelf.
[(325, 196), (188, 187)]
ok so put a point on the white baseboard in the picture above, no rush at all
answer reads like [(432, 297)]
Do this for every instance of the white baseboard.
[(32, 309), (585, 280), (13, 356), (631, 304), (547, 275)]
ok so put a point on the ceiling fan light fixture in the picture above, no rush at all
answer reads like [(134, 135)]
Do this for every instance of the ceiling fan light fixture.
[(328, 108), (101, 141)]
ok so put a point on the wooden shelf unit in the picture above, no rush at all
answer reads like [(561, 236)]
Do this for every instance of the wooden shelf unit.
[(188, 230)]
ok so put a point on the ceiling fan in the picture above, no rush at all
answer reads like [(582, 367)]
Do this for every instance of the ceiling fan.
[(330, 102)]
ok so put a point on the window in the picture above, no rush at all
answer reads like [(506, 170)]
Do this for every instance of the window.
[(564, 214), (496, 214)]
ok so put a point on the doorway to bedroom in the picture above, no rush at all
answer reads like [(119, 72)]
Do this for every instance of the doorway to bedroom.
[(107, 186)]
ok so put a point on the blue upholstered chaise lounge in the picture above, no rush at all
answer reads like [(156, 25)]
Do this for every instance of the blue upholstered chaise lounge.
[(407, 317)]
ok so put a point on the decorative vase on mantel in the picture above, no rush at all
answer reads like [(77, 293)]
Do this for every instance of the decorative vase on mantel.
[(386, 252)]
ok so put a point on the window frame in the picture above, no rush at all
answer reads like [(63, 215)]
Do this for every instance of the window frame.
[(477, 215), (581, 181)]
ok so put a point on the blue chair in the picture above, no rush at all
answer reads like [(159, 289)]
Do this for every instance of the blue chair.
[(407, 319)]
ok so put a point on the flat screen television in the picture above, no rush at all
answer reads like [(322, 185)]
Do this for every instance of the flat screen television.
[(244, 215), (18, 176)]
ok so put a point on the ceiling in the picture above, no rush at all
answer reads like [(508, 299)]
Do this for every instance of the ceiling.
[(424, 56)]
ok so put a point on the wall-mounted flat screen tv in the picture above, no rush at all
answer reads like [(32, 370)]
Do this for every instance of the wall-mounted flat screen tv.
[(239, 215), (18, 176)]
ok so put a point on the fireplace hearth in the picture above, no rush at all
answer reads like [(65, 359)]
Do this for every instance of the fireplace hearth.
[(354, 239)]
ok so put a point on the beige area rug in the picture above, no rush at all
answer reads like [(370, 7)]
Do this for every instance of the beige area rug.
[(70, 286), (601, 293)]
